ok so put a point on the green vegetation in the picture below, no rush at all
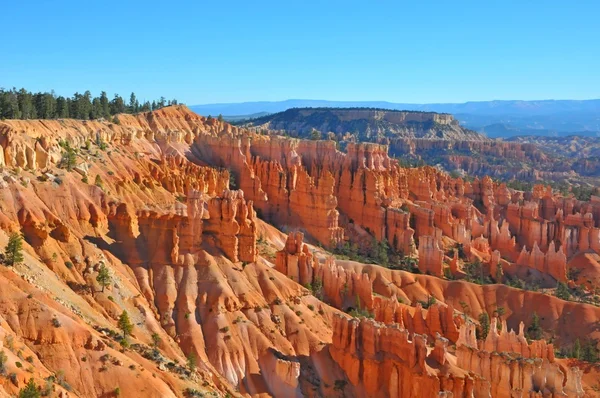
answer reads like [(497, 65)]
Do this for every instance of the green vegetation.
[(125, 324), (580, 192), (484, 326), (192, 361), (232, 182), (316, 288), (378, 252), (31, 390), (429, 302), (339, 385), (23, 104), (13, 252), (584, 350), (500, 311), (98, 181), (359, 312), (3, 359), (562, 291), (69, 157), (155, 340), (534, 330), (103, 278), (476, 273), (521, 284)]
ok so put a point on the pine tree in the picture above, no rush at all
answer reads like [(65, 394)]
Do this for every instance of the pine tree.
[(62, 110), (96, 108), (105, 105), (499, 273), (155, 340), (26, 107), (125, 324), (3, 360), (103, 277), (117, 105), (500, 311), (576, 353), (69, 157), (31, 390), (98, 181), (484, 326), (191, 361), (13, 252), (562, 291), (534, 331), (133, 103)]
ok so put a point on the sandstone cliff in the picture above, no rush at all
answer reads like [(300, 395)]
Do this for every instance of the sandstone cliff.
[(174, 205)]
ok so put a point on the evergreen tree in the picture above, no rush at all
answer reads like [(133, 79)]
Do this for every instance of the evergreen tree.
[(26, 107), (562, 291), (576, 353), (70, 108), (117, 105), (69, 157), (103, 277), (590, 351), (499, 273), (23, 104), (500, 311), (76, 109), (98, 181), (125, 324), (9, 104), (86, 106), (97, 111), (13, 252), (133, 104), (534, 331), (31, 390), (484, 326), (155, 340), (3, 360), (105, 105), (191, 361), (62, 109)]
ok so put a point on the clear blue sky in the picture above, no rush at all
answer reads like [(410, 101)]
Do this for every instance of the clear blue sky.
[(231, 51)]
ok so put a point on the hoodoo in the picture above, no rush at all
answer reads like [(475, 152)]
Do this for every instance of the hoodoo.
[(259, 265)]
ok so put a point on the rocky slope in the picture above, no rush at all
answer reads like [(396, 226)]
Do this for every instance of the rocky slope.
[(418, 138), (366, 124), (197, 221), (560, 162)]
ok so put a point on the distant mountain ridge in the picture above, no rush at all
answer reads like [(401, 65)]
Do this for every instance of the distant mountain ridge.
[(548, 117), (366, 124)]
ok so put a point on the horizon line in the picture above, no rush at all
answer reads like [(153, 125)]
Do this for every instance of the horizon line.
[(399, 103)]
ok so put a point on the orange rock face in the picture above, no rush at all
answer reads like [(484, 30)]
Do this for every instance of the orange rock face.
[(178, 214)]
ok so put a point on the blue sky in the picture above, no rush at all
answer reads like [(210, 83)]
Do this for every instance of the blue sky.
[(232, 51)]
